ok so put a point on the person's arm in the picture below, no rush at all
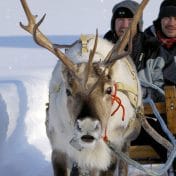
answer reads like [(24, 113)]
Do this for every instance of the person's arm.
[(152, 75)]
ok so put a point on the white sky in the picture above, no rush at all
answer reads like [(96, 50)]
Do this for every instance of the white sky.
[(66, 16)]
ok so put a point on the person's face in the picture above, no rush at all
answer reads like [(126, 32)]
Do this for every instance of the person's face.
[(168, 26), (121, 25)]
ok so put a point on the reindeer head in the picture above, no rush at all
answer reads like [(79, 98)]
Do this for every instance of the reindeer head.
[(89, 92)]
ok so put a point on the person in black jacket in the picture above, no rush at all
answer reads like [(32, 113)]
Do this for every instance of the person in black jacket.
[(122, 15), (158, 65)]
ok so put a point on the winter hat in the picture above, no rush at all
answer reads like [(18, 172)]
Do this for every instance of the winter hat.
[(123, 12), (167, 9), (125, 9)]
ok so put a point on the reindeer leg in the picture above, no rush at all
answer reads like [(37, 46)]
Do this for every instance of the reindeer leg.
[(59, 163), (123, 166), (95, 173), (107, 173)]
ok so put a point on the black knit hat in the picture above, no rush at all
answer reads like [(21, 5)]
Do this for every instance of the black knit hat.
[(167, 9)]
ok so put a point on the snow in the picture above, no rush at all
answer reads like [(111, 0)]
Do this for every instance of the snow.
[(25, 149), (25, 71)]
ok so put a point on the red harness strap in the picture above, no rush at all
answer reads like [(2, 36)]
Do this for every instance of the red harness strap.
[(116, 99)]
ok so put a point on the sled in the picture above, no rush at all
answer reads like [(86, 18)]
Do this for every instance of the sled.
[(145, 154)]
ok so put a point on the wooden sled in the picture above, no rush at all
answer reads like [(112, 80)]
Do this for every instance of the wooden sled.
[(145, 154)]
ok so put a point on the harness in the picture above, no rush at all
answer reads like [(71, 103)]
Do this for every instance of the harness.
[(129, 91)]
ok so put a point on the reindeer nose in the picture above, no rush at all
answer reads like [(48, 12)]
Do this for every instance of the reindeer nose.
[(88, 125), (88, 130)]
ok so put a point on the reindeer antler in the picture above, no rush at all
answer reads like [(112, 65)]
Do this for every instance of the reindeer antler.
[(41, 39), (91, 56)]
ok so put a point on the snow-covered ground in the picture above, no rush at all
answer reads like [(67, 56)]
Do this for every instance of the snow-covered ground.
[(24, 147), (25, 71)]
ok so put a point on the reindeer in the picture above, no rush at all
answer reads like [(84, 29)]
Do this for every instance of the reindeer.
[(94, 96)]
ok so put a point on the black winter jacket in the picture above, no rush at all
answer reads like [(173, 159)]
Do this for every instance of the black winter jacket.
[(158, 64)]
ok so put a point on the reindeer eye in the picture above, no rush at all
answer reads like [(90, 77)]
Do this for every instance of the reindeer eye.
[(68, 92), (109, 90)]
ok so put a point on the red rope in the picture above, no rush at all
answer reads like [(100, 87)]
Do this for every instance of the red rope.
[(116, 99), (105, 137)]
